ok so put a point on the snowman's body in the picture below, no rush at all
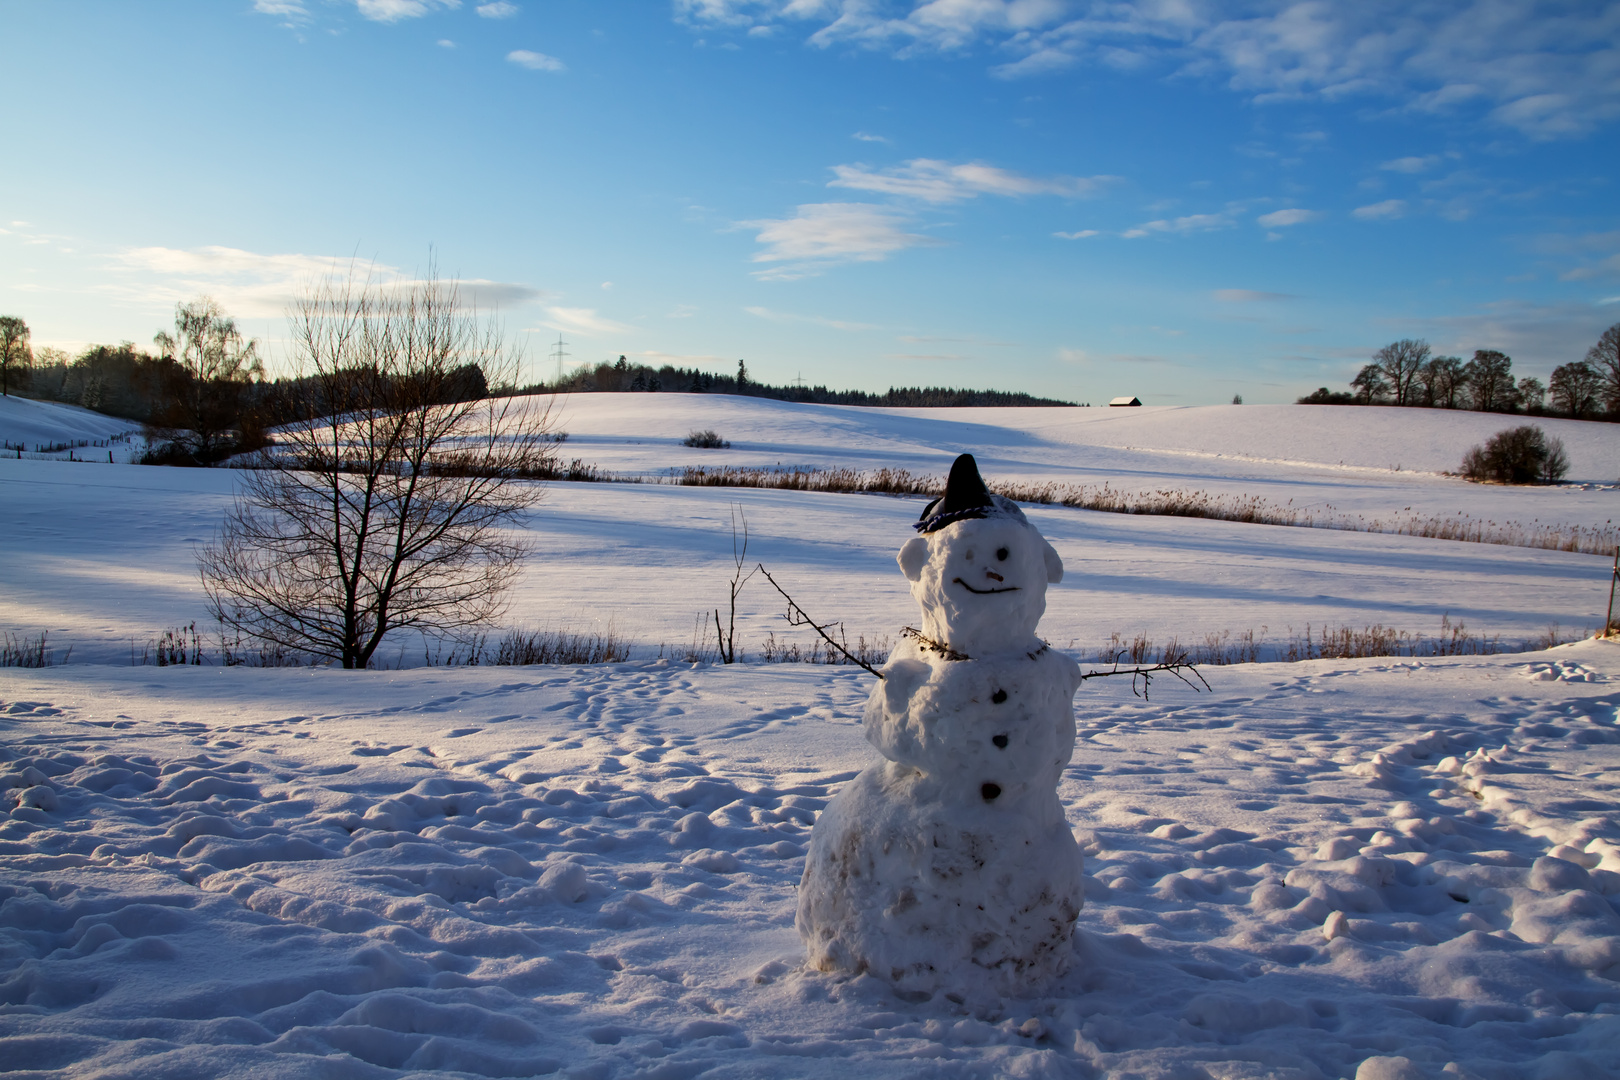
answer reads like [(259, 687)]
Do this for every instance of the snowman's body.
[(950, 865)]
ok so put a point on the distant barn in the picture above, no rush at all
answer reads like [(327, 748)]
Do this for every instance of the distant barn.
[(1125, 401)]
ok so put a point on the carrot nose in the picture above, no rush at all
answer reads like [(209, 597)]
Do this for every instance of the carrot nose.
[(992, 573)]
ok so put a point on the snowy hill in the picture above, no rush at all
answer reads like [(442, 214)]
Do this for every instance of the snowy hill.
[(1382, 868), (38, 427), (1263, 439)]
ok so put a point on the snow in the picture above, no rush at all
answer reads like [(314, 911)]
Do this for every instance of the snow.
[(1366, 868), (29, 427)]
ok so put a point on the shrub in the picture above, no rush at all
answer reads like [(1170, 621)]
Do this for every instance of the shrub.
[(1324, 396), (1521, 455), (707, 439)]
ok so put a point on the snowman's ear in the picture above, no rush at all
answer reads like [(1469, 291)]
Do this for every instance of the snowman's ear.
[(913, 554), (1054, 564)]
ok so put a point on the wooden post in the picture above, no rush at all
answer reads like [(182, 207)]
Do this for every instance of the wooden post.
[(1608, 620)]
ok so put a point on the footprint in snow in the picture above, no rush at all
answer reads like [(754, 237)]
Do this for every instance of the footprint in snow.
[(1561, 671)]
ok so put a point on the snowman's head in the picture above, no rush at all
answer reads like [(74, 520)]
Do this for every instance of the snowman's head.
[(981, 577)]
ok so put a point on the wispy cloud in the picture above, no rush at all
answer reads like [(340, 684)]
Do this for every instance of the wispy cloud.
[(1411, 164), (820, 235), (1086, 357), (1191, 223), (1248, 296), (535, 61), (1080, 235), (1282, 218), (499, 9), (1387, 210), (584, 321), (784, 316), (1535, 335), (254, 285), (394, 10), (1546, 70), (866, 136), (294, 12), (942, 182)]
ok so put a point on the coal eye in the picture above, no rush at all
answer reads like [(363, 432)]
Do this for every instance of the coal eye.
[(969, 554), (1001, 553)]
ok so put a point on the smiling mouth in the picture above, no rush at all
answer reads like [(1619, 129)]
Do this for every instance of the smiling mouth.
[(982, 592)]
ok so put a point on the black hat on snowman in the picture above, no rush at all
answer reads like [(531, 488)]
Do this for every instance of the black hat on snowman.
[(966, 496)]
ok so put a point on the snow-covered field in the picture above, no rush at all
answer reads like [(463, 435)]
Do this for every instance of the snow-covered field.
[(49, 430), (1311, 871)]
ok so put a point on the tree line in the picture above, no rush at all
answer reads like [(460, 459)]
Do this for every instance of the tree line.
[(202, 396), (622, 376), (1405, 373)]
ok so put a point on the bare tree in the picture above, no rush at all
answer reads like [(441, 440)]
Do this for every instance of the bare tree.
[(739, 555), (1576, 389), (200, 392), (1402, 361), (1490, 380), (1444, 377), (387, 503), (1532, 395), (1369, 384), (15, 357), (1604, 358)]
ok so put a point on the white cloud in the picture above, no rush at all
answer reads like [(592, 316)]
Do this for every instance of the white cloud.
[(1412, 164), (252, 285), (1081, 235), (1381, 211), (824, 234), (1279, 218), (1191, 223), (535, 61), (291, 10), (1609, 267), (446, 43), (942, 182), (866, 136), (395, 10), (1248, 296), (1082, 356), (1547, 70), (585, 321), (783, 316), (499, 9)]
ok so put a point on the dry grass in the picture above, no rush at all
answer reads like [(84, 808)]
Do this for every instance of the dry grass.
[(523, 647), (1162, 502), (1176, 502), (22, 651), (874, 652), (1322, 643), (881, 481)]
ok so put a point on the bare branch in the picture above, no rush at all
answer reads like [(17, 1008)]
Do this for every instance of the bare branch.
[(796, 616), (1145, 674)]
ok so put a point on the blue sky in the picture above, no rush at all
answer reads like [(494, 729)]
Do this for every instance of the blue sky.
[(1173, 198)]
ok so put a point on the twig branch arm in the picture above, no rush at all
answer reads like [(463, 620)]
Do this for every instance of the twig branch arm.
[(796, 617), (1146, 675)]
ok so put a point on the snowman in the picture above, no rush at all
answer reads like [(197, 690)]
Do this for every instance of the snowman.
[(950, 865)]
